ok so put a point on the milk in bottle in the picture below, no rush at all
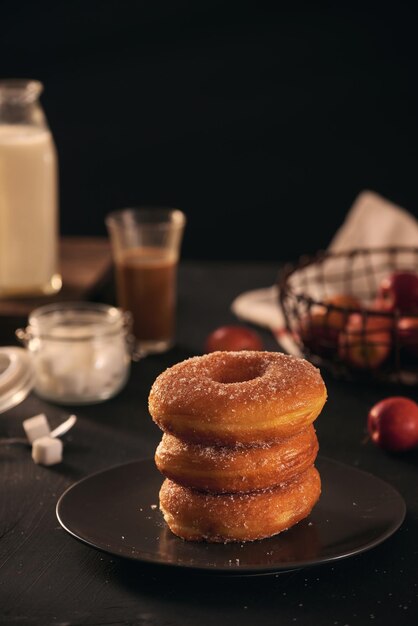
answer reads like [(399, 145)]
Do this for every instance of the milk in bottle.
[(28, 194)]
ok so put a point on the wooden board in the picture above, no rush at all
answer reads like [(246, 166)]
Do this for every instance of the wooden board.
[(85, 265)]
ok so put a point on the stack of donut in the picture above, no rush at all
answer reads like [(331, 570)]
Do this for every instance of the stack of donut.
[(239, 446)]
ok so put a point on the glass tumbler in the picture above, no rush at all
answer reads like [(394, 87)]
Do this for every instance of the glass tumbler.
[(146, 247)]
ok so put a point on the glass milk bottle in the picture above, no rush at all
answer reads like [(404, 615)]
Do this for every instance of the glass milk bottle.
[(28, 194)]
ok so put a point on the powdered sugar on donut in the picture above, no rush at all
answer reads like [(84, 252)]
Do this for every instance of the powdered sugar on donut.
[(221, 393), (213, 374)]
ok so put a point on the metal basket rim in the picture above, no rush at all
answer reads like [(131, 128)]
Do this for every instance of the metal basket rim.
[(304, 261)]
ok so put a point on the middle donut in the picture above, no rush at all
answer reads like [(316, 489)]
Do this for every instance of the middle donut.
[(220, 469)]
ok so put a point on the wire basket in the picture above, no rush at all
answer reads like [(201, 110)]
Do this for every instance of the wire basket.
[(335, 314)]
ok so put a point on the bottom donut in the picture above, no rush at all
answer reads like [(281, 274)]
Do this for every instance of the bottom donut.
[(197, 516)]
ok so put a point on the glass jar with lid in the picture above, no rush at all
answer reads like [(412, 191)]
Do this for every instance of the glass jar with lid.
[(28, 194), (80, 352)]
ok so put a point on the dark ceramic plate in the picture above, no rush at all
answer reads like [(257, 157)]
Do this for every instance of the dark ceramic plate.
[(117, 511)]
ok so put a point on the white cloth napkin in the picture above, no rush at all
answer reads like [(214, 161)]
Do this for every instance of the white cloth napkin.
[(371, 222)]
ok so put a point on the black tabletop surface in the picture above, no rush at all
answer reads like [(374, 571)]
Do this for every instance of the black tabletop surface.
[(48, 577)]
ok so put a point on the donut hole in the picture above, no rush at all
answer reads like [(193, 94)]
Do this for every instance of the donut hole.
[(237, 372)]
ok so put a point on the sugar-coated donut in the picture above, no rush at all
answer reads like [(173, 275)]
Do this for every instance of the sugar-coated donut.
[(229, 398), (198, 516), (219, 469)]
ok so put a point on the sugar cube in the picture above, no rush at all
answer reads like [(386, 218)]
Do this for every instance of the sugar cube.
[(47, 451), (36, 427)]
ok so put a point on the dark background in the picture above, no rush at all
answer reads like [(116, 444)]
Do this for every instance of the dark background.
[(262, 124)]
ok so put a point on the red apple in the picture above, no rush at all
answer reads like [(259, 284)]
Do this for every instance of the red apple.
[(233, 338), (381, 305), (344, 304), (393, 424), (408, 334), (399, 291), (317, 335), (365, 343), (375, 319), (319, 331)]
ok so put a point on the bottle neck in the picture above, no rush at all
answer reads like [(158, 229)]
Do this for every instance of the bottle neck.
[(19, 103)]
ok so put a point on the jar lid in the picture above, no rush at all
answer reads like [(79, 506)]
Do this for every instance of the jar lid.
[(69, 321), (16, 376)]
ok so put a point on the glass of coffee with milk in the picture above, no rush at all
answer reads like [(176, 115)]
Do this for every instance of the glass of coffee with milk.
[(28, 194), (146, 246)]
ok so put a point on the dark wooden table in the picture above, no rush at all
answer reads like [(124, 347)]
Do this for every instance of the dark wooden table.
[(85, 266), (47, 577)]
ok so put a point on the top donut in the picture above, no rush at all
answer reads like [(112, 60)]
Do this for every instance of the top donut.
[(237, 398)]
